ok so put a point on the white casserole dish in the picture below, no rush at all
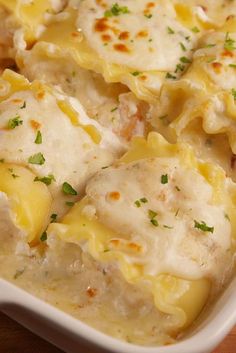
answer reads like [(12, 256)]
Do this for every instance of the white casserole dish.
[(71, 334)]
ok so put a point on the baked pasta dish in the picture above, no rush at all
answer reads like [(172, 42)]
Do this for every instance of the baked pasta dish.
[(118, 159)]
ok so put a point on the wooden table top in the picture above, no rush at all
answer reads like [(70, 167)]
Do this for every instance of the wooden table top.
[(16, 339)]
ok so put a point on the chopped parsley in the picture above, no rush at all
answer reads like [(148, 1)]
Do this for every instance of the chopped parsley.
[(19, 273), (233, 91), (195, 29), (232, 65), (12, 173), (44, 236), (69, 203), (46, 180), (177, 188), (164, 179), (203, 226), (53, 217), (114, 109), (170, 30), (167, 227), (148, 16), (185, 60), (169, 75), (23, 106), (68, 189), (38, 139), (116, 10), (227, 216), (12, 123), (135, 73), (210, 45), (179, 67), (37, 158), (229, 43), (152, 216), (140, 201), (182, 46)]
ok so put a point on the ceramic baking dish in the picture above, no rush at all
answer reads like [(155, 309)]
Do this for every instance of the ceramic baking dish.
[(70, 334)]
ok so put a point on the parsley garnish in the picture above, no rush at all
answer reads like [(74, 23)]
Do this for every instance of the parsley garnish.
[(114, 109), (142, 200), (232, 65), (170, 30), (38, 139), (169, 75), (210, 45), (233, 91), (68, 189), (12, 123), (229, 43), (195, 29), (167, 227), (69, 203), (148, 16), (177, 188), (164, 179), (185, 60), (53, 217), (44, 236), (46, 180), (135, 73), (116, 10), (37, 158), (203, 226), (182, 46), (152, 215), (23, 106)]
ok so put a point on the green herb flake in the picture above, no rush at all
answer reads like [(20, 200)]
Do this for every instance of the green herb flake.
[(53, 217), (203, 226), (227, 216), (148, 16), (232, 65), (167, 227), (177, 188), (2, 160), (14, 122), (23, 106), (154, 222), (37, 158), (114, 109), (135, 73), (233, 91), (210, 45), (185, 60), (44, 236), (170, 76), (47, 180), (38, 139), (179, 68), (69, 203), (229, 43), (152, 214), (164, 179), (195, 29), (182, 46), (68, 189), (137, 203), (116, 10), (144, 200), (19, 273), (170, 30)]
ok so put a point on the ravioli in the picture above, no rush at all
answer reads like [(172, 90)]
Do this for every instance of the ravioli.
[(143, 215), (110, 43), (205, 94), (111, 104), (41, 130)]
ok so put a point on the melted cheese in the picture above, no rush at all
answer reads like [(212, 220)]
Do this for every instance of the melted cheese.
[(71, 149), (151, 228), (117, 61)]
